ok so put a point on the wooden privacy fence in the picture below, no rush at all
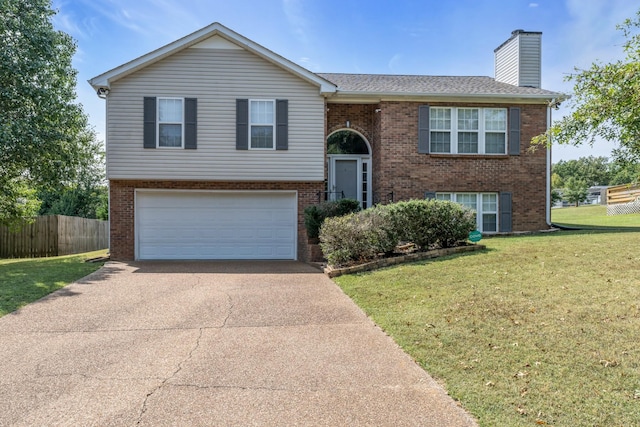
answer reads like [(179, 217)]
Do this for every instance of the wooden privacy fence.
[(623, 199), (54, 235)]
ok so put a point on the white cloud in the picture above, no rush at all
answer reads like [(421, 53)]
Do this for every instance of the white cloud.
[(533, 5), (394, 63), (293, 11), (308, 64)]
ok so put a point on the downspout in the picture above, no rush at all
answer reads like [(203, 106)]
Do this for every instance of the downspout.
[(548, 189)]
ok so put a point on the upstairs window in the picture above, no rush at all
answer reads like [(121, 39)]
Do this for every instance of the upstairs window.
[(467, 130), (170, 122), (262, 124)]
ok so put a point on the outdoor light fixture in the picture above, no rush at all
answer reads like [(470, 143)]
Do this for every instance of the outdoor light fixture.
[(348, 124), (103, 92)]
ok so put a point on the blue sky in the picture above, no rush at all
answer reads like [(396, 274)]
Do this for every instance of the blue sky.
[(433, 37)]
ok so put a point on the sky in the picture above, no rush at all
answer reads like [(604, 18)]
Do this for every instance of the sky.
[(429, 37)]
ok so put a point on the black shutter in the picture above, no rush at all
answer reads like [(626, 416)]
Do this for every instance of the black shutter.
[(282, 124), (514, 131), (423, 129), (506, 217), (191, 123), (242, 124), (429, 194), (149, 119)]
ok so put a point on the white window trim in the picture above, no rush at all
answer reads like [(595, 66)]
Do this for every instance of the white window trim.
[(273, 125), (481, 131), (479, 207), (158, 123)]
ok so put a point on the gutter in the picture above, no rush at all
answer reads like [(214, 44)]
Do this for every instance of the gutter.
[(553, 104), (348, 96)]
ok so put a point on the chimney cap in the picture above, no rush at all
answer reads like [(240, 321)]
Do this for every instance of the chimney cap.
[(514, 34)]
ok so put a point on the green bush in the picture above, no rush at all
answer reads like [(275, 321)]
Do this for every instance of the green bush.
[(315, 215), (374, 232), (356, 236), (454, 223)]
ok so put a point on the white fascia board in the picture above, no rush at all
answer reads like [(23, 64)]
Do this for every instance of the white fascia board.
[(373, 97), (104, 80)]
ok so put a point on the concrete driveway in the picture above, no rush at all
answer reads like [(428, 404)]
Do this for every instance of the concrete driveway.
[(209, 343)]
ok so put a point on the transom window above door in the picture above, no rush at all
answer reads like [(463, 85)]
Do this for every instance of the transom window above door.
[(346, 142)]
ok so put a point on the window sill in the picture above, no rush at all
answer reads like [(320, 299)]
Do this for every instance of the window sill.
[(469, 156)]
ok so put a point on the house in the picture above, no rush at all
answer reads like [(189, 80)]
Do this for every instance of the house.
[(215, 145)]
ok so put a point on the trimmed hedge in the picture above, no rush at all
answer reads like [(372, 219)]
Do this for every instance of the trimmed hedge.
[(315, 215), (375, 232)]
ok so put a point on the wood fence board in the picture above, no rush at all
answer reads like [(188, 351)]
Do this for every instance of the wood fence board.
[(54, 235), (622, 194)]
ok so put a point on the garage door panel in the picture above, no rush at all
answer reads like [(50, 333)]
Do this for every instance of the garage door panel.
[(209, 225)]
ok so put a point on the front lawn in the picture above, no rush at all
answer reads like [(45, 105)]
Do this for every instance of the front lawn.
[(26, 280), (535, 330), (592, 216)]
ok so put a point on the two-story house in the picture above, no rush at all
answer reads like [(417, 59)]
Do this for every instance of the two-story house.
[(215, 145)]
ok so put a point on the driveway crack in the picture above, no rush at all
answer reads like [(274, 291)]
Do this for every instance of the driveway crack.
[(143, 410), (229, 310)]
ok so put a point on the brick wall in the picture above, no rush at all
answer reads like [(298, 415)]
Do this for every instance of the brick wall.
[(122, 207), (398, 168)]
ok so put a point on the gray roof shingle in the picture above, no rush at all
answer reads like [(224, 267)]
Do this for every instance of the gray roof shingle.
[(429, 85)]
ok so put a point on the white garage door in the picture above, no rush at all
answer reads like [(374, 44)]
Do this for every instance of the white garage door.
[(215, 225)]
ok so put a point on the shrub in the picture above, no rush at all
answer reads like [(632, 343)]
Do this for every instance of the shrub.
[(315, 215), (454, 223), (356, 236), (414, 221), (368, 234)]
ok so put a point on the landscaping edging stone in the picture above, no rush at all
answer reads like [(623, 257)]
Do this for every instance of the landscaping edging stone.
[(386, 262)]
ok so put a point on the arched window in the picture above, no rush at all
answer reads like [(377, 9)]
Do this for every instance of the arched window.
[(346, 142)]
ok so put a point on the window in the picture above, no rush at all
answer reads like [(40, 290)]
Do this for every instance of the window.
[(262, 124), (484, 204), (170, 122), (440, 125), (468, 130), (495, 125)]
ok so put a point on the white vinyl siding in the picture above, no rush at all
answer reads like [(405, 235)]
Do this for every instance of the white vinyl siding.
[(530, 60), (468, 130), (484, 204), (508, 62), (216, 77), (518, 61)]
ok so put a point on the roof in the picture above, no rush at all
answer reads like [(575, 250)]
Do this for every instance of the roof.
[(416, 85), (104, 80), (343, 86)]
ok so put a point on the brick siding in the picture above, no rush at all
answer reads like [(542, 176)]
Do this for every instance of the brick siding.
[(123, 219), (399, 169)]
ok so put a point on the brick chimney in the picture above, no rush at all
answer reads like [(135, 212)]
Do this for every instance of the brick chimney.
[(519, 59)]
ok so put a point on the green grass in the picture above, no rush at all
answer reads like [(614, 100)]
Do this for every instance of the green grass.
[(26, 280), (592, 216), (535, 330)]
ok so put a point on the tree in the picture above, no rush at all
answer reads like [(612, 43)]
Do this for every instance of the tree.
[(625, 173), (576, 191), (44, 135), (86, 197), (592, 170), (606, 101)]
